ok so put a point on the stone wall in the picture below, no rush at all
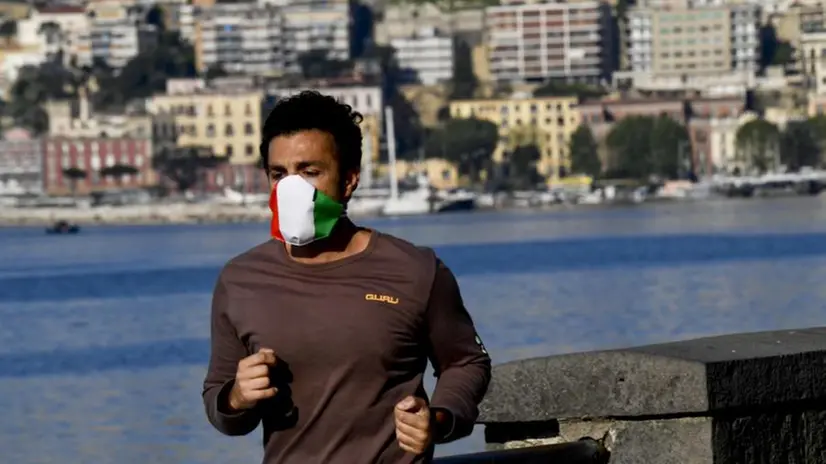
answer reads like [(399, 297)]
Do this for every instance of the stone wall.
[(756, 398)]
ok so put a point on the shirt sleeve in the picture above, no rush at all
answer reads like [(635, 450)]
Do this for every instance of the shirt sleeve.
[(459, 358), (225, 353)]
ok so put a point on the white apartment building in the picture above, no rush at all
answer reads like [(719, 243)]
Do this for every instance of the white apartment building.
[(115, 43), (50, 29), (691, 44), (550, 41), (311, 25), (241, 37), (812, 55), (425, 57), (367, 100), (403, 20)]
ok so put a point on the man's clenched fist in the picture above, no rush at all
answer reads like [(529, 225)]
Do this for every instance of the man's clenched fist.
[(413, 430), (252, 380)]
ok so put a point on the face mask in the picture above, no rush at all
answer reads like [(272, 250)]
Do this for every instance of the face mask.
[(300, 213)]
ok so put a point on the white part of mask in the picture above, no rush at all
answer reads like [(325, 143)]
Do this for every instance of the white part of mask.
[(296, 218)]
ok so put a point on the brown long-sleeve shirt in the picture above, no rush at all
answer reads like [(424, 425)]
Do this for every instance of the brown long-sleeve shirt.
[(352, 338)]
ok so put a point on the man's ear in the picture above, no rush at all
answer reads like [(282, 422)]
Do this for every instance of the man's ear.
[(351, 183)]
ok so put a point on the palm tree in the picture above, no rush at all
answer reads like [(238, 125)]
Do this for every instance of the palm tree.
[(74, 174), (118, 172), (51, 31)]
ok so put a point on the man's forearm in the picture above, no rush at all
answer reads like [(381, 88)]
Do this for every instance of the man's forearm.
[(458, 392)]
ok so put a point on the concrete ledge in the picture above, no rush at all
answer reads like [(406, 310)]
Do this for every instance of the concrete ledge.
[(744, 398)]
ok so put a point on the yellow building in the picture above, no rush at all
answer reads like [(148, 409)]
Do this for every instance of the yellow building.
[(551, 121), (440, 173), (227, 121)]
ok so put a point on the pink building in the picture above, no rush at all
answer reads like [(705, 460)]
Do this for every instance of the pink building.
[(92, 155)]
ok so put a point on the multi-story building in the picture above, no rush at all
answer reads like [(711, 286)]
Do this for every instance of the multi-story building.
[(51, 29), (75, 119), (679, 45), (117, 33), (115, 43), (425, 57), (317, 25), (21, 164), (812, 58), (182, 17), (242, 37), (228, 121), (92, 155), (550, 41), (550, 120), (401, 20)]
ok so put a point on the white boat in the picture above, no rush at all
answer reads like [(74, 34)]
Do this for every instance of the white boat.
[(367, 202), (234, 197), (423, 199)]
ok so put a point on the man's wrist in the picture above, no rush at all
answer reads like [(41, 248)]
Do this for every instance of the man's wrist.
[(226, 401), (443, 423)]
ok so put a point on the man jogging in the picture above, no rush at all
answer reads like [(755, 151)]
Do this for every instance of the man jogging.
[(323, 333)]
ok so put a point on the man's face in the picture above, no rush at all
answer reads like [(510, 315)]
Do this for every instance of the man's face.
[(312, 155)]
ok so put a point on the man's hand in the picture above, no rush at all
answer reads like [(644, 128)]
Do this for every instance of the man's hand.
[(413, 430), (252, 381)]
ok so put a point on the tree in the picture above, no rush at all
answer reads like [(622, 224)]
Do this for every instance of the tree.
[(215, 71), (185, 166), (523, 152), (799, 146), (469, 143), (818, 127), (8, 30), (557, 89), (758, 145), (465, 81), (118, 172), (584, 152), (51, 31), (670, 148), (522, 172), (148, 72), (645, 146), (74, 174), (316, 64), (35, 85)]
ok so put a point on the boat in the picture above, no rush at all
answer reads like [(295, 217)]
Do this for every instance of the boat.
[(63, 227), (423, 199)]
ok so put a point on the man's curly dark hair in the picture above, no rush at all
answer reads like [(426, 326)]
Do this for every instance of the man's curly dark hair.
[(310, 110)]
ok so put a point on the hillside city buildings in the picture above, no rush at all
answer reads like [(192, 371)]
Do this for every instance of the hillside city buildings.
[(698, 61)]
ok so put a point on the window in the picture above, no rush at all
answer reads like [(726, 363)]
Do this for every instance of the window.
[(228, 150), (210, 130), (228, 130), (248, 129), (227, 110), (249, 150)]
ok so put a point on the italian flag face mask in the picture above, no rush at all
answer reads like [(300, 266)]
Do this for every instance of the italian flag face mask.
[(301, 214)]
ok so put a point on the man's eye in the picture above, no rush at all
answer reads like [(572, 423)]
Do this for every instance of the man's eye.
[(311, 173)]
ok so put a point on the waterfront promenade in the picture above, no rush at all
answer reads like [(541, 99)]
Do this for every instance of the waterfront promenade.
[(104, 337)]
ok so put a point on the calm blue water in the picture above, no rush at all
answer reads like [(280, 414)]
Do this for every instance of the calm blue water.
[(103, 336)]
